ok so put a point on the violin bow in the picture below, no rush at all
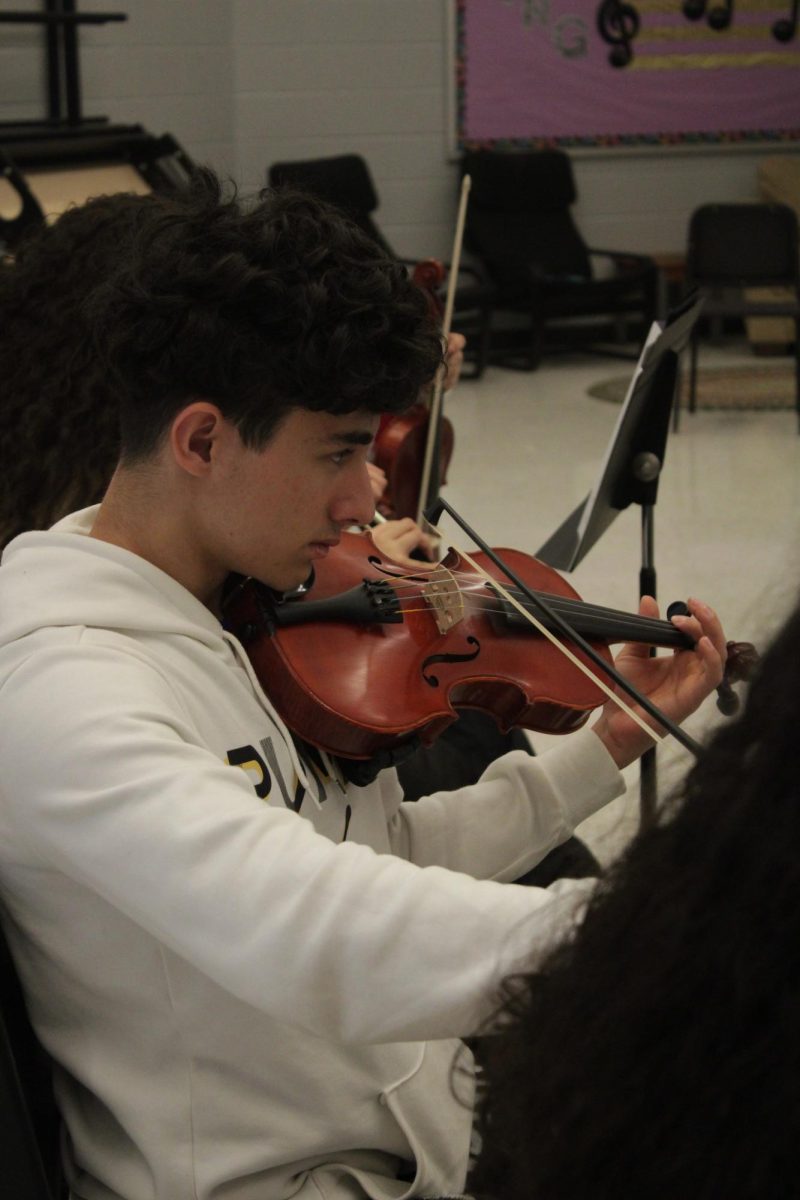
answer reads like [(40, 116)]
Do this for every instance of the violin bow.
[(433, 515), (436, 406)]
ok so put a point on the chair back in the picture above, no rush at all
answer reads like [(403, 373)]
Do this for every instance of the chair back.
[(519, 216), (742, 245), (29, 1164), (343, 181)]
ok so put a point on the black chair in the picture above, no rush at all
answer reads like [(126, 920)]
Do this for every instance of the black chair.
[(345, 181), (736, 247), (29, 1159), (520, 227)]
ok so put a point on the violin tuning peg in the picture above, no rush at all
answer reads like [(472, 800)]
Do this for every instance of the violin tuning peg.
[(727, 700)]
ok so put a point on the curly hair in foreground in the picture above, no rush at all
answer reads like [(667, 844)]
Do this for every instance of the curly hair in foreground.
[(59, 431), (285, 305), (658, 1054)]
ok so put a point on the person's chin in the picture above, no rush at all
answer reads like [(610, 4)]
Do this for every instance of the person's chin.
[(318, 551), (299, 574), (292, 576)]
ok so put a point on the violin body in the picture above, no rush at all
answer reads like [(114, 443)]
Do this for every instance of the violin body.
[(399, 450), (370, 658), (355, 688)]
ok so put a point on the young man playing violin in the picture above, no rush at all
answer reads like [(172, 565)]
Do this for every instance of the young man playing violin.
[(251, 976)]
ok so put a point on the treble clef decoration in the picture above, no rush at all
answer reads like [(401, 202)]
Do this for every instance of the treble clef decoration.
[(618, 24)]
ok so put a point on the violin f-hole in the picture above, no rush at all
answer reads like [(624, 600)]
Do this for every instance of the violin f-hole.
[(433, 680)]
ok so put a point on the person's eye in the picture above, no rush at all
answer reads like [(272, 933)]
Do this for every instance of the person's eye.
[(341, 457)]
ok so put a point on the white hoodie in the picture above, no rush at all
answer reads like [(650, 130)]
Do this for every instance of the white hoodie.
[(241, 1003)]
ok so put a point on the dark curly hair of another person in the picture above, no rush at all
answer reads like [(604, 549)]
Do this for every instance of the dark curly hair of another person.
[(59, 431), (657, 1056), (286, 304)]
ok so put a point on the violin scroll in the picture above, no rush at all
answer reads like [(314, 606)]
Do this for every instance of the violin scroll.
[(429, 274), (740, 666)]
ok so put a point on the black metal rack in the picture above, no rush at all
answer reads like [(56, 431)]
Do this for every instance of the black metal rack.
[(61, 21), (64, 139)]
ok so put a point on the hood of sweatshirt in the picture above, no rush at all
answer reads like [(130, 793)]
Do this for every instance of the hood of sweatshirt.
[(63, 577)]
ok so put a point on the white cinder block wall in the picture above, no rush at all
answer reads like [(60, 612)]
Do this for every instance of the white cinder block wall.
[(169, 68), (242, 83)]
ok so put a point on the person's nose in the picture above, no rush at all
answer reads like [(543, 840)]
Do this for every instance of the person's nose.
[(355, 505)]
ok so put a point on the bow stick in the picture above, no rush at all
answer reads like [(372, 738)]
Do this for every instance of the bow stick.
[(566, 631), (434, 421)]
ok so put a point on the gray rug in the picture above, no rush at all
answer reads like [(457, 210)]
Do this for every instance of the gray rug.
[(767, 386)]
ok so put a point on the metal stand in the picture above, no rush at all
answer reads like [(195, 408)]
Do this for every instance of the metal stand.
[(61, 20), (630, 475), (645, 468), (648, 771), (65, 142)]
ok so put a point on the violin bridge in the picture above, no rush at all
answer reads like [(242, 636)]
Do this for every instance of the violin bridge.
[(442, 593)]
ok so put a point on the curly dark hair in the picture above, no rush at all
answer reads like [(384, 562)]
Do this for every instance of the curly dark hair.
[(287, 304), (658, 1054), (128, 306), (59, 430)]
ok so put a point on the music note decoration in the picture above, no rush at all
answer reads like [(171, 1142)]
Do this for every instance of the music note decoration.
[(721, 15), (784, 29), (618, 23)]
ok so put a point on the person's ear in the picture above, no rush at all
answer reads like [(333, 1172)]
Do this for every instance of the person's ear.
[(195, 435)]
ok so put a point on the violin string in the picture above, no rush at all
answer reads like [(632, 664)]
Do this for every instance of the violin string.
[(562, 603), (564, 607), (599, 616), (565, 650), (658, 626), (657, 631)]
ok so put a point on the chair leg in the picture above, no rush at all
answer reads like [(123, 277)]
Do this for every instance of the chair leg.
[(693, 373), (484, 336), (536, 344), (676, 400)]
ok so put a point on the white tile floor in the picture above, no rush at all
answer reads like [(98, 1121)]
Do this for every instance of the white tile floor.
[(528, 449)]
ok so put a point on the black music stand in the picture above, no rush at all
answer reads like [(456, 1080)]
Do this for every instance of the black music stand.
[(630, 474)]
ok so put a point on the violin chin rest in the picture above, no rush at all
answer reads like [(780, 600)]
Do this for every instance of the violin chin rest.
[(363, 771)]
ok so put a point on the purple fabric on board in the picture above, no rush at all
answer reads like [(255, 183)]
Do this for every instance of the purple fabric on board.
[(540, 69)]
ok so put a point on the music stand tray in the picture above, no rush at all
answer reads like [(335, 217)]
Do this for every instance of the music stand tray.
[(636, 449)]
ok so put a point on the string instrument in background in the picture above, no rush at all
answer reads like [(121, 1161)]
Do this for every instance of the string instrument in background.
[(414, 448), (402, 439), (370, 658)]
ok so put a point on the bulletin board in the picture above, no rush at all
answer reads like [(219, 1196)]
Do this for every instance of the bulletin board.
[(532, 73)]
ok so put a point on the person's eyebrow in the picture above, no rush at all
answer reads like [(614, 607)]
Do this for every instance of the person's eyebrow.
[(353, 437)]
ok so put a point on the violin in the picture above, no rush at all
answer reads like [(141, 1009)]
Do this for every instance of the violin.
[(368, 657)]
